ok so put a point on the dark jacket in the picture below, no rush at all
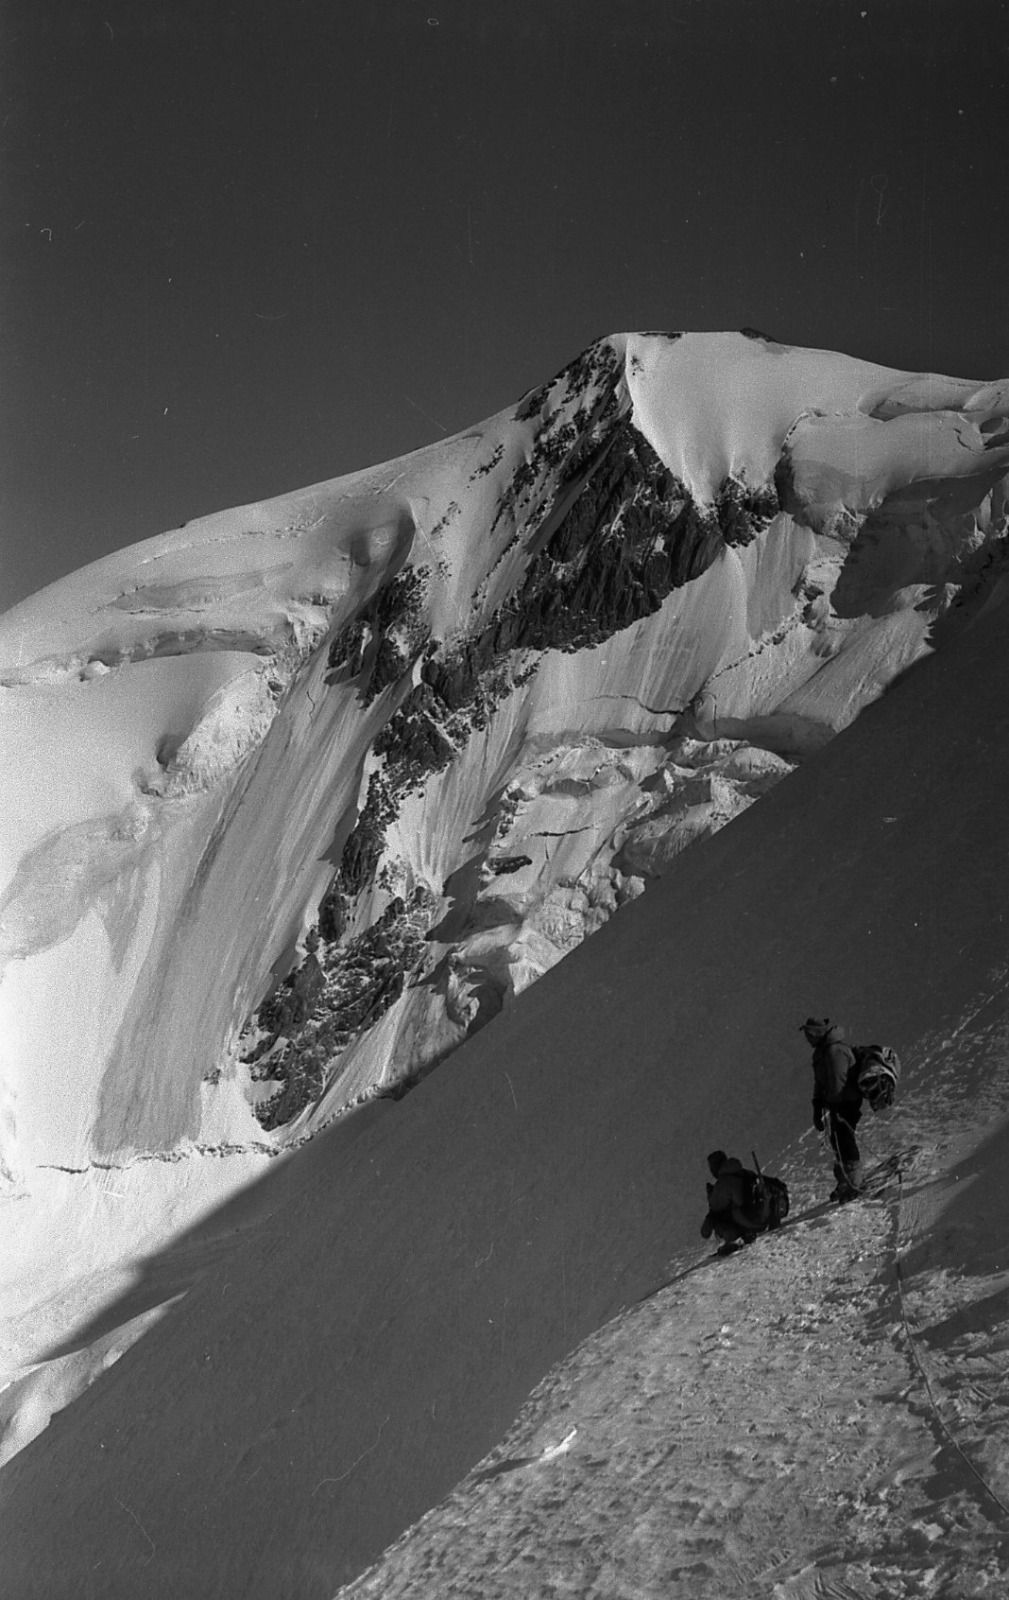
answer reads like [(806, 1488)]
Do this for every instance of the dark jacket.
[(727, 1199), (833, 1078)]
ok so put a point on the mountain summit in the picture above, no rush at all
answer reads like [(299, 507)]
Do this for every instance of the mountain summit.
[(300, 797)]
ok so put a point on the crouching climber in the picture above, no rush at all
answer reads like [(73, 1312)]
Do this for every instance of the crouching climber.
[(739, 1205)]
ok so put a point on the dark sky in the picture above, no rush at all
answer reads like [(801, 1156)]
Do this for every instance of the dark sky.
[(251, 245)]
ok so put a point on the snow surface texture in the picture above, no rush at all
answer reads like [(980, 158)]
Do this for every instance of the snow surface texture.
[(402, 740), (822, 1418)]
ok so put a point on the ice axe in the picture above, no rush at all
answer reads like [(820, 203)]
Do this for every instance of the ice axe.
[(761, 1182)]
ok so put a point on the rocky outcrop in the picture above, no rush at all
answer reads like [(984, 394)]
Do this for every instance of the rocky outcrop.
[(612, 533), (338, 992)]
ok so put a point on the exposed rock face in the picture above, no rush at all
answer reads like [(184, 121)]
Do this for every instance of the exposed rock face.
[(614, 533), (337, 993), (358, 764)]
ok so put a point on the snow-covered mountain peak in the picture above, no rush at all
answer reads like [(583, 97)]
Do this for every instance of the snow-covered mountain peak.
[(302, 797), (299, 796), (716, 408)]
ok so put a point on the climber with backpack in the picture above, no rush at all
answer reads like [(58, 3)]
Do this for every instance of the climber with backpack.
[(846, 1076), (741, 1203)]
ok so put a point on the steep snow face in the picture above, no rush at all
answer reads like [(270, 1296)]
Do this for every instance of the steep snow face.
[(354, 1333), (297, 796)]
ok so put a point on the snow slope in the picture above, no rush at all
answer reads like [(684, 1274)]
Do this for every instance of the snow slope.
[(303, 796), (361, 1327), (822, 1417)]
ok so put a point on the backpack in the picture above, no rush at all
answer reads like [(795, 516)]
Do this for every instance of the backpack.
[(777, 1193), (876, 1073), (774, 1191)]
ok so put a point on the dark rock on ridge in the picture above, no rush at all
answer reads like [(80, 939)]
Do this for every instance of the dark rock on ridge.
[(611, 531), (337, 992)]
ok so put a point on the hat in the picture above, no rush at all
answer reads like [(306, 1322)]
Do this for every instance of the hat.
[(815, 1026)]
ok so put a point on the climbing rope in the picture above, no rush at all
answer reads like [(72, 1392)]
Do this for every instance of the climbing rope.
[(915, 1356)]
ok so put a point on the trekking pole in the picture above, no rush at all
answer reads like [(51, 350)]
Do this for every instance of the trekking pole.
[(761, 1182)]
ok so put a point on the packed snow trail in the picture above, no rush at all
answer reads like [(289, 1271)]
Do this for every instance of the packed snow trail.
[(765, 1427), (690, 1409)]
